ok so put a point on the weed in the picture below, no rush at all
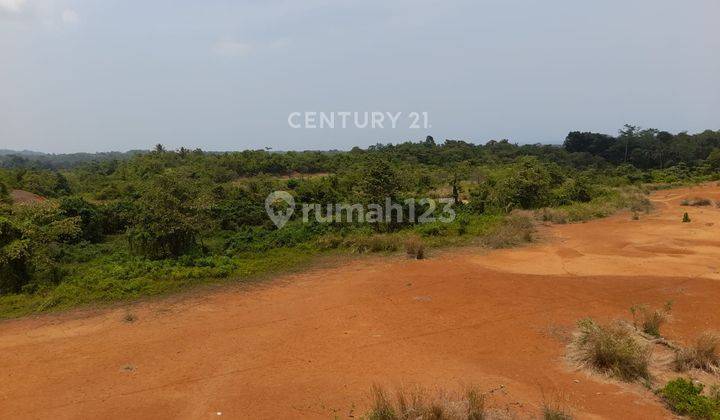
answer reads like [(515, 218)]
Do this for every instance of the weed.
[(686, 218)]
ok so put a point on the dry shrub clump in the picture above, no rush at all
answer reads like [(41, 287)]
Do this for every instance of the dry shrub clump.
[(516, 229), (702, 355), (696, 202), (611, 349), (650, 320), (555, 412), (418, 405), (415, 248)]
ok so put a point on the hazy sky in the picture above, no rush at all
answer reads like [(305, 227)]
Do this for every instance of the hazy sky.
[(82, 75)]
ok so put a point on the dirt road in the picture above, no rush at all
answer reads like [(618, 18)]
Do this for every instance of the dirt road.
[(310, 345)]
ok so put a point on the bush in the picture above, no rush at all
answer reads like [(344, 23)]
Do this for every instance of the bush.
[(611, 349), (702, 355), (684, 398)]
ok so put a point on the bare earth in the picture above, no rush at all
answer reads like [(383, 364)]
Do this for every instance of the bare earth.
[(310, 345)]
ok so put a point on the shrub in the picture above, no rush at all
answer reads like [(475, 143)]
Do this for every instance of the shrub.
[(650, 320), (415, 248), (702, 355), (684, 398), (612, 349)]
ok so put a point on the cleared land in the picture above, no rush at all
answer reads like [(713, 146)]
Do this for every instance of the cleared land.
[(311, 345)]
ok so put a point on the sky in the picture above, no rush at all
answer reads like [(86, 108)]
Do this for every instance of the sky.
[(102, 75)]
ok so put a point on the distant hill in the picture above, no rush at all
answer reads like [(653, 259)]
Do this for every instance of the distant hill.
[(32, 159)]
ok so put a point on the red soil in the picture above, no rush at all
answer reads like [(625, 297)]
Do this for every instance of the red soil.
[(310, 345)]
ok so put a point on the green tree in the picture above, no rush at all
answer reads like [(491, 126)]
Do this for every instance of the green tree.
[(527, 185), (164, 224), (91, 222), (378, 181), (29, 244)]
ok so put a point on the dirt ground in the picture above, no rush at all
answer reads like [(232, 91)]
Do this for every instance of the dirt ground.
[(310, 345)]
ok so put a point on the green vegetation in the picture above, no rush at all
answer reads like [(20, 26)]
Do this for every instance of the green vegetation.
[(612, 349), (123, 226), (685, 398)]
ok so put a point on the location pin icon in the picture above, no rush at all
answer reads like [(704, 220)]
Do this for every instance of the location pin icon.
[(282, 217)]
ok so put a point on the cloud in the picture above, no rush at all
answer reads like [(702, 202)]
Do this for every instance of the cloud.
[(12, 6), (244, 49), (232, 48), (70, 17)]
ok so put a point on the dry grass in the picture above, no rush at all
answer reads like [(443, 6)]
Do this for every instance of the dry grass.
[(611, 349), (696, 202), (415, 248), (650, 320), (517, 229), (702, 355), (555, 412), (417, 404)]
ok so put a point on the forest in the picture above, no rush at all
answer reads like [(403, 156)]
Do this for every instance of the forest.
[(116, 226)]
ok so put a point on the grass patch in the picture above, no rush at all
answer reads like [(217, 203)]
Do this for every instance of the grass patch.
[(611, 201), (117, 276), (611, 349), (703, 354), (685, 398)]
